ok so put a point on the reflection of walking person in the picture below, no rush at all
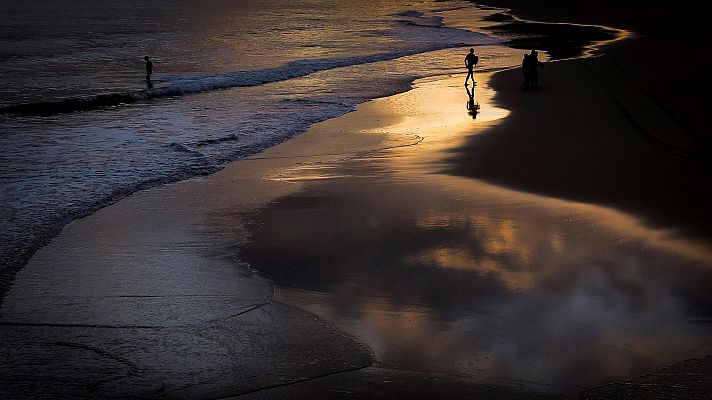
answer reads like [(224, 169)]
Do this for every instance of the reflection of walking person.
[(470, 62), (472, 106), (149, 69)]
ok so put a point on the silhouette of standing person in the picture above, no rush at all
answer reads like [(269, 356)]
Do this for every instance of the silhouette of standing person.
[(470, 62), (526, 65), (534, 65), (149, 69)]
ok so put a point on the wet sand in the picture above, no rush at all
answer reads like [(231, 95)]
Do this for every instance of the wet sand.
[(150, 297), (553, 246), (447, 274), (345, 262)]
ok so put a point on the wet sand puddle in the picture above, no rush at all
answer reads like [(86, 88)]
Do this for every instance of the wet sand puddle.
[(445, 274)]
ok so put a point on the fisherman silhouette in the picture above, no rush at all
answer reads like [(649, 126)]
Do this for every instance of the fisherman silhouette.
[(470, 62), (472, 107), (149, 69)]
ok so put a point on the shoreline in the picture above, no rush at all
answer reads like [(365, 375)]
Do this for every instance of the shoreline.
[(281, 178), (530, 153), (641, 132), (16, 260), (184, 267), (299, 215), (168, 275)]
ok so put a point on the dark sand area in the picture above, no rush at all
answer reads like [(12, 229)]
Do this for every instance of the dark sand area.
[(667, 60), (589, 135), (627, 129)]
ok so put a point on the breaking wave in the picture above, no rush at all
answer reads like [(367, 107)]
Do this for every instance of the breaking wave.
[(182, 85)]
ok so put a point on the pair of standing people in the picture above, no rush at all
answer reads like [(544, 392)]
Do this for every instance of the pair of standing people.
[(530, 69)]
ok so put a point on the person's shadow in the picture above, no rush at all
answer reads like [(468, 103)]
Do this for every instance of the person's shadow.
[(472, 107)]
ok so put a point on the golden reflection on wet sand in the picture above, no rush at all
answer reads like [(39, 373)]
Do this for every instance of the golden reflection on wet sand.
[(449, 274), (446, 126)]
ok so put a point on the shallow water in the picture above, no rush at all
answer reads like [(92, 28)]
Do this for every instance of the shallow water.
[(209, 103)]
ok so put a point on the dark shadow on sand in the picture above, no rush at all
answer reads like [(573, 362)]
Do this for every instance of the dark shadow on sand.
[(553, 144)]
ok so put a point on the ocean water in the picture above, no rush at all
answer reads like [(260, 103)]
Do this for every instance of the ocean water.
[(80, 129)]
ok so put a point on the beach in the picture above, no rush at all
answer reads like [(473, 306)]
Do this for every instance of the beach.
[(106, 297), (361, 254), (553, 245)]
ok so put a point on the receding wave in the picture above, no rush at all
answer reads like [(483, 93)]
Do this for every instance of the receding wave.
[(182, 85), (229, 138)]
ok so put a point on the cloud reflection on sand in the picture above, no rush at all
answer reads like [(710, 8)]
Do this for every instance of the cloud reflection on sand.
[(440, 273), (499, 299)]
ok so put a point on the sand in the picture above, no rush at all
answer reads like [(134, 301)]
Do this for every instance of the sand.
[(627, 129), (145, 298), (362, 258), (338, 262)]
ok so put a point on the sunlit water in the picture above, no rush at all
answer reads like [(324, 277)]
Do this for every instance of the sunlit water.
[(208, 104)]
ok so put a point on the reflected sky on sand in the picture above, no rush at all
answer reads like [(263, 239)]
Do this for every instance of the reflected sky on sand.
[(440, 273)]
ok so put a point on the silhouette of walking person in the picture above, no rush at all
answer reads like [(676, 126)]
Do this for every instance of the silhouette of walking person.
[(470, 61), (149, 69)]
